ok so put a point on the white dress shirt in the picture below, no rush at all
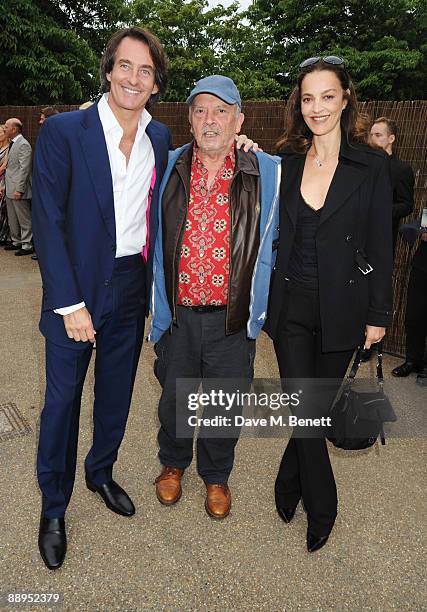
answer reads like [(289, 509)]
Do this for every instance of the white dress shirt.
[(131, 184)]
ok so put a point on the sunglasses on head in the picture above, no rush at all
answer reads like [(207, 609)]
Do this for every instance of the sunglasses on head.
[(329, 59)]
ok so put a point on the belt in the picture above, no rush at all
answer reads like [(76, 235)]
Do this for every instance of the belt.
[(208, 308)]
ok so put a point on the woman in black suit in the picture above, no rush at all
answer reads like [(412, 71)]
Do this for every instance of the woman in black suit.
[(332, 287)]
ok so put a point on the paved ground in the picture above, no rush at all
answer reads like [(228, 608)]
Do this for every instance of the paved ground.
[(177, 559)]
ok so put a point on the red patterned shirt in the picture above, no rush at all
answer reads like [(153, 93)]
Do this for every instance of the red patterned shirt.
[(205, 252)]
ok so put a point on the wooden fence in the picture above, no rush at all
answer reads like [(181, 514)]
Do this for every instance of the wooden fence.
[(264, 123)]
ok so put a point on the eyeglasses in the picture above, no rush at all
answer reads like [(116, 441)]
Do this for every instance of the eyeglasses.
[(329, 59)]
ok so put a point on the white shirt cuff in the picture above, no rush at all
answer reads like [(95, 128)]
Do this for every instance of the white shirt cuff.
[(69, 309)]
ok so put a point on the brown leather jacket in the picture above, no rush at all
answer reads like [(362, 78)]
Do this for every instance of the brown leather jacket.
[(244, 232)]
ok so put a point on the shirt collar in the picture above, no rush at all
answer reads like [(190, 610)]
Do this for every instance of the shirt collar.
[(109, 120), (231, 156), (16, 137)]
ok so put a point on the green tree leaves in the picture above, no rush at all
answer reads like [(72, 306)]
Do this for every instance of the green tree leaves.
[(50, 49), (382, 41), (40, 62)]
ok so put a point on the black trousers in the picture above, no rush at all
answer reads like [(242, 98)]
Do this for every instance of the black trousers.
[(305, 470), (416, 316), (198, 348)]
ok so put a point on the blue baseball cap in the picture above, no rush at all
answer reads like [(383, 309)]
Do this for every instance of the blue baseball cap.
[(220, 86)]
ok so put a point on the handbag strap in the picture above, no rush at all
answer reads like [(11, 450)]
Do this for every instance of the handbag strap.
[(356, 364), (380, 363), (358, 360)]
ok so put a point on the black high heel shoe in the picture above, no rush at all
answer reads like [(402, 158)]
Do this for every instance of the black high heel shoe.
[(285, 512), (315, 542)]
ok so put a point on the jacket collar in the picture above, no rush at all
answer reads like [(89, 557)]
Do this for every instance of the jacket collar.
[(245, 162), (353, 153), (352, 169)]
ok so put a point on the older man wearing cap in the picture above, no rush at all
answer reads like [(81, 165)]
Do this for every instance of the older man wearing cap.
[(213, 258)]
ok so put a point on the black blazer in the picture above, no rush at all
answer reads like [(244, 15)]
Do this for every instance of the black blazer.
[(356, 215), (420, 258), (402, 181)]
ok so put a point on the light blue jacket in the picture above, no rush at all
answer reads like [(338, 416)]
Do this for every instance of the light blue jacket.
[(270, 172)]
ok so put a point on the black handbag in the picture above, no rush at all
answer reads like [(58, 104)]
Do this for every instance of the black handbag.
[(357, 417)]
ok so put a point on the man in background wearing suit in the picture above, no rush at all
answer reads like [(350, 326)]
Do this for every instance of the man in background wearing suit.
[(96, 182), (18, 189), (383, 135)]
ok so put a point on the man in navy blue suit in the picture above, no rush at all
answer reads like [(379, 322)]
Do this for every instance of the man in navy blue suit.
[(95, 189)]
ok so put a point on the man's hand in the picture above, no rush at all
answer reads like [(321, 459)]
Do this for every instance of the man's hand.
[(17, 195), (373, 334), (78, 326), (243, 141), (424, 237)]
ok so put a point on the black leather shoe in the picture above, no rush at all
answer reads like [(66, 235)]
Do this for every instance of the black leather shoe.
[(22, 252), (34, 257), (286, 514), (422, 377), (406, 368), (115, 498), (52, 542), (12, 247), (315, 542)]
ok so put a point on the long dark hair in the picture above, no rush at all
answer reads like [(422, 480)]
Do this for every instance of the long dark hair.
[(156, 51), (297, 136)]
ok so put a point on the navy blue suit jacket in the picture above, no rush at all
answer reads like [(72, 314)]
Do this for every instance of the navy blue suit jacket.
[(73, 214)]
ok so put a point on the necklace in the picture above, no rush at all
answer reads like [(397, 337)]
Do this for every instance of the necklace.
[(319, 163)]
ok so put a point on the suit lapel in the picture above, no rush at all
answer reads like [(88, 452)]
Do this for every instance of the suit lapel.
[(160, 161), (351, 171), (96, 154), (345, 181)]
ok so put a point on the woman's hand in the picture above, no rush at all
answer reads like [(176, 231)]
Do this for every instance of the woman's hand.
[(373, 334), (243, 141)]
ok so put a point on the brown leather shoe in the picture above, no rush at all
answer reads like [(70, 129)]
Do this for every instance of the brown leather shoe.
[(218, 500), (168, 485)]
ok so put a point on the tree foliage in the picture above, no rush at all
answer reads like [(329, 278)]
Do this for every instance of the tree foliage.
[(50, 49), (200, 41), (40, 61), (92, 20), (382, 41)]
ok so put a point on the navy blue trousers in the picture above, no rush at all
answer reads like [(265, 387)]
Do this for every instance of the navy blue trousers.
[(118, 346)]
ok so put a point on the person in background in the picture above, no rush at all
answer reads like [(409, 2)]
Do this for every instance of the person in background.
[(383, 134), (4, 152), (18, 189), (416, 310), (332, 287), (48, 111)]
